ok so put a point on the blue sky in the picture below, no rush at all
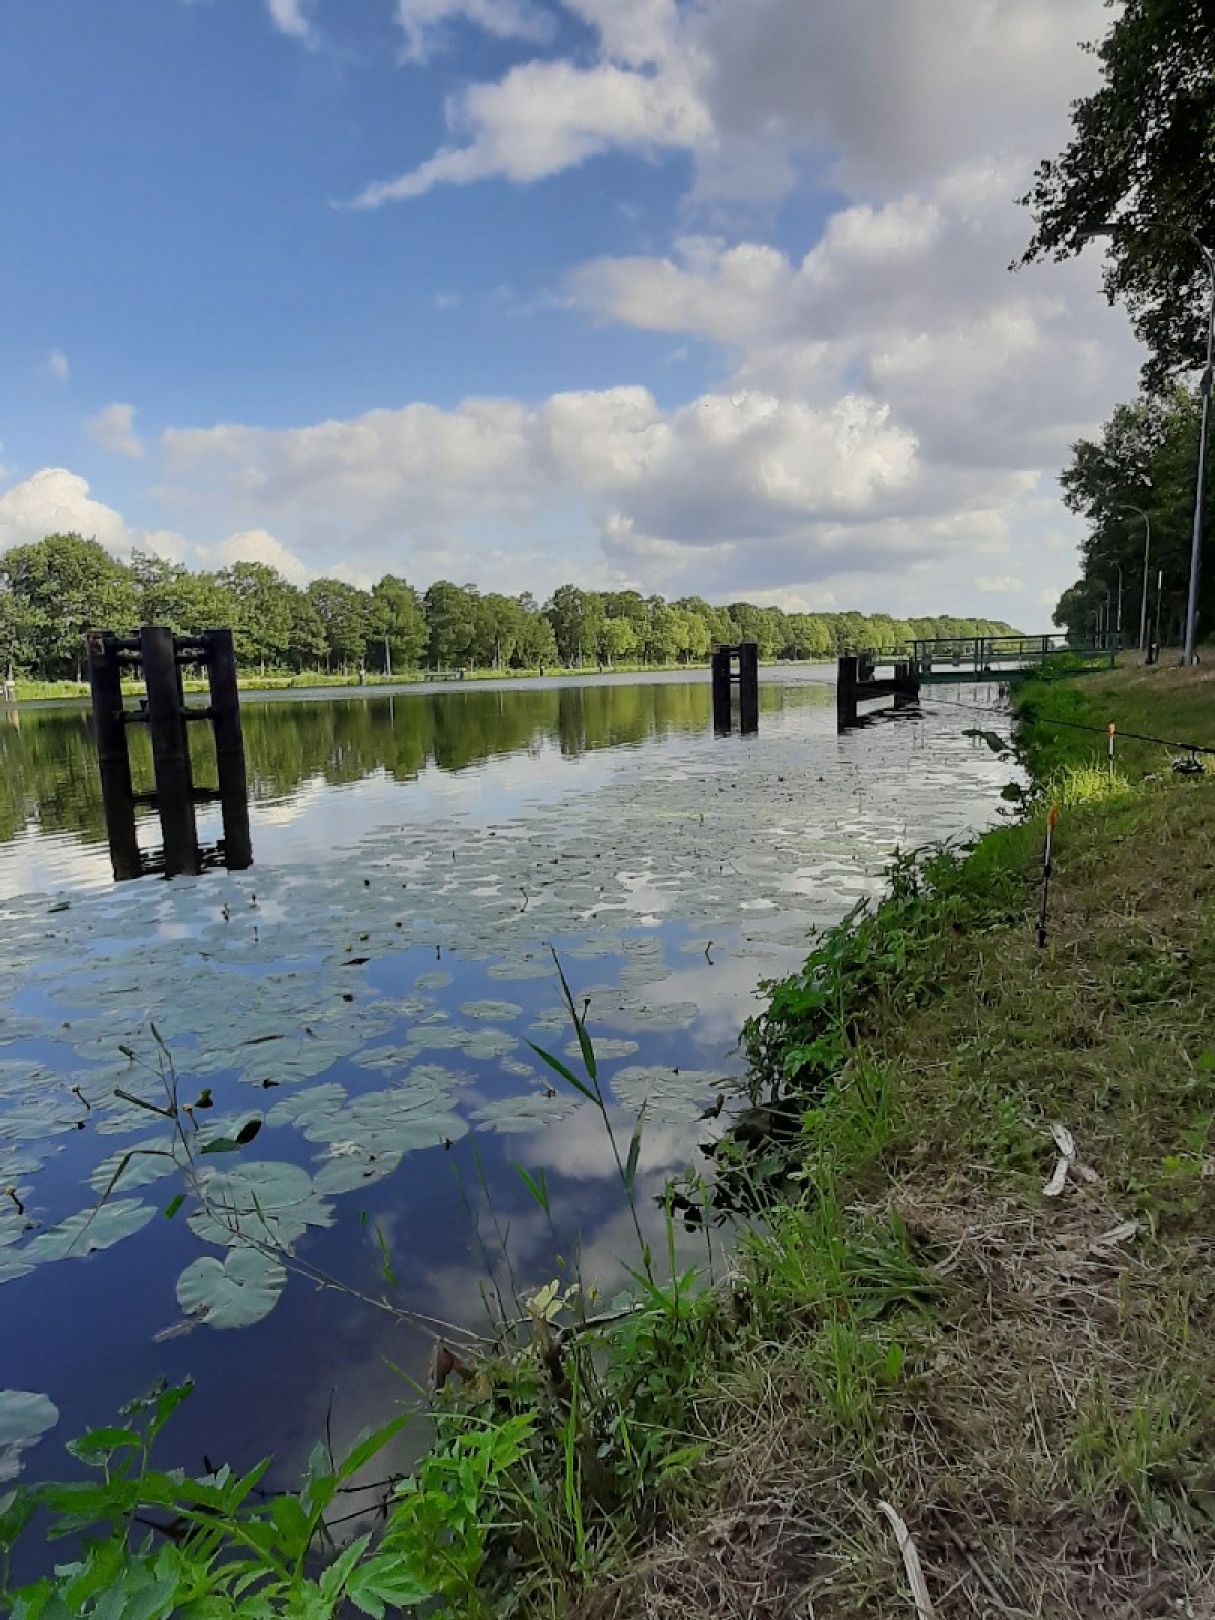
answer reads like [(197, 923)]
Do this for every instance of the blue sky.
[(690, 296)]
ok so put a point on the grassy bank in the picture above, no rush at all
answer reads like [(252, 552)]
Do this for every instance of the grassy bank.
[(976, 1287), (30, 691)]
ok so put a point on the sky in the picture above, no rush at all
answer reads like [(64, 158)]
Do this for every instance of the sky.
[(703, 296)]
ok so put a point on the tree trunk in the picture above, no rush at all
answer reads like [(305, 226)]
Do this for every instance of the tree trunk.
[(387, 658)]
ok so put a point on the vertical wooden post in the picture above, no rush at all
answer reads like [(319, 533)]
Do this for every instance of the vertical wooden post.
[(845, 692), (721, 691), (113, 755), (170, 751), (229, 748), (748, 687)]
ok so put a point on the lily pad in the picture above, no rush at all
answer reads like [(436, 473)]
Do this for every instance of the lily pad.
[(491, 1011), (264, 1200), (351, 1165), (137, 1166), (234, 1292), (605, 1048), (669, 1098), (90, 1231), (24, 1418), (515, 1115)]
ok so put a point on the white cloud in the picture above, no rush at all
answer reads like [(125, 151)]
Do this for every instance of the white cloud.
[(114, 430), (426, 23), (255, 545), (890, 92), (913, 300), (997, 584), (57, 501), (881, 93), (57, 365), (724, 469), (291, 17), (547, 116)]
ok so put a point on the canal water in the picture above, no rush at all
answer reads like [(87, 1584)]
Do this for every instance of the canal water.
[(358, 1011)]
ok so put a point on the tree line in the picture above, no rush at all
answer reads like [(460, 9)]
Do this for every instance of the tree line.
[(1139, 174), (1135, 486), (54, 590)]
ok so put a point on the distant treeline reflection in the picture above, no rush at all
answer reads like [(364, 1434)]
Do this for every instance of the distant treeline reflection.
[(48, 765)]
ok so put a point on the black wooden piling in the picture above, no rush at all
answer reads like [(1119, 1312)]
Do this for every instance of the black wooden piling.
[(856, 681), (724, 676), (113, 755), (170, 750), (748, 688), (722, 703), (160, 655), (846, 691), (220, 655)]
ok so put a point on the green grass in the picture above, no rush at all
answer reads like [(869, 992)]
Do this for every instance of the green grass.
[(32, 691)]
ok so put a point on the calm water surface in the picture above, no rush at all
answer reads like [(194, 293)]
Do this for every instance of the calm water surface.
[(367, 993)]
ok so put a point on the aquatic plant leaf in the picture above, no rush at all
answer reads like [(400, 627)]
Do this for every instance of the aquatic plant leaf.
[(234, 1292), (669, 1098), (515, 1115), (491, 1011), (24, 1418), (147, 1161), (350, 1165), (519, 971), (489, 1043), (264, 1200), (89, 1231), (605, 1048)]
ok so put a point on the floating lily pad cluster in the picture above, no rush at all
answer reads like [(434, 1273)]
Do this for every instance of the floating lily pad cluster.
[(325, 1000)]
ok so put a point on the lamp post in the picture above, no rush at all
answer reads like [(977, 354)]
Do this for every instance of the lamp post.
[(1191, 612), (1118, 621), (1147, 560)]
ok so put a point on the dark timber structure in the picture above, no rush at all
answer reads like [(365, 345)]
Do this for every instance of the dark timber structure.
[(725, 677), (857, 682), (160, 655), (953, 658)]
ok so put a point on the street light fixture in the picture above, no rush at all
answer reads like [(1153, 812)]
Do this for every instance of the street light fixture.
[(1147, 559), (1191, 612)]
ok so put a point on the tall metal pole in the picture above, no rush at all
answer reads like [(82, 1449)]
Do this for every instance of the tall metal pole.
[(1118, 626), (1191, 612), (1147, 562)]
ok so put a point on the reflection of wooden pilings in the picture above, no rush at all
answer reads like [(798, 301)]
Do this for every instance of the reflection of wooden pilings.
[(229, 748), (113, 755), (170, 750), (906, 685)]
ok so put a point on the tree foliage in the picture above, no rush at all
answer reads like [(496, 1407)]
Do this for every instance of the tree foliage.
[(1143, 462), (1142, 154), (51, 592)]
